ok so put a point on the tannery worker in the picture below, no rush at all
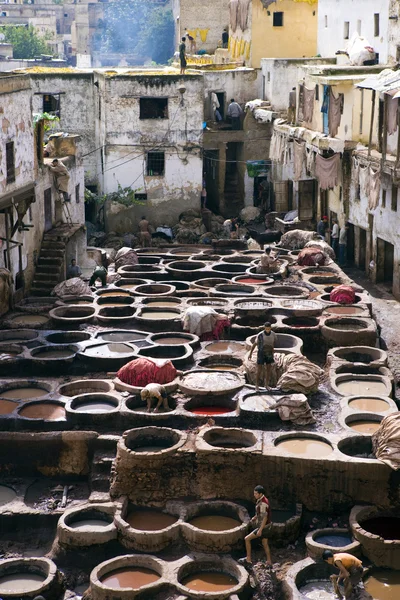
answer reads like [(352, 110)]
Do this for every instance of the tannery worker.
[(234, 113), (154, 393), (350, 571), (268, 263), (182, 56), (73, 270), (262, 521), (61, 177), (265, 342), (144, 232), (99, 273)]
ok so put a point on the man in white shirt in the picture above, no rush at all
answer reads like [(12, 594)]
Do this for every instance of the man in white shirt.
[(234, 113), (335, 237), (343, 245)]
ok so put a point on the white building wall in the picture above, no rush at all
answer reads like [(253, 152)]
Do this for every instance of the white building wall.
[(332, 15)]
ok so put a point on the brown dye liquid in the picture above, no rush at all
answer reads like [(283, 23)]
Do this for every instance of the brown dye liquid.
[(161, 304), (251, 281), (364, 426), (121, 337), (7, 494), (172, 340), (306, 447), (150, 448), (91, 523), (6, 407), (215, 523), (54, 354), (95, 407), (24, 393), (344, 310), (347, 326), (26, 319), (159, 314), (113, 294), (224, 347), (386, 527), (20, 582), (369, 404), (106, 350), (130, 577), (384, 584), (112, 304), (43, 410), (222, 367), (209, 582), (362, 386), (149, 520)]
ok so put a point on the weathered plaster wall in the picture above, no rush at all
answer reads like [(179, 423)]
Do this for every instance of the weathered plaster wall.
[(77, 109), (360, 15), (128, 139), (242, 85), (206, 19), (280, 75), (296, 38)]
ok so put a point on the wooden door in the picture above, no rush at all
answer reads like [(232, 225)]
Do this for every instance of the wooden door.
[(306, 199)]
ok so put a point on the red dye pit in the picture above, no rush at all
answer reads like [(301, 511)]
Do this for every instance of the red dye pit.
[(210, 410), (250, 281)]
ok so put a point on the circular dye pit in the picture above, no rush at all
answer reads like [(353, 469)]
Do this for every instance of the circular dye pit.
[(359, 387), (369, 404), (333, 540), (257, 402), (152, 439), (107, 350), (210, 581), (344, 310), (318, 590), (85, 386), (229, 438), (307, 447), (346, 324), (383, 584), (22, 583), (210, 382), (208, 409), (24, 393), (121, 336), (301, 322), (48, 411), (29, 320), (364, 426), (286, 291), (7, 407), (162, 303), (387, 528), (172, 341), (254, 280), (89, 524), (149, 520), (228, 346), (53, 353), (68, 337), (159, 314), (94, 403), (7, 495), (129, 577), (215, 522)]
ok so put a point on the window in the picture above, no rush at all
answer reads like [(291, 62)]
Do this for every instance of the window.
[(326, 20), (317, 92), (383, 198), (10, 162), (278, 19), (269, 76), (77, 193), (346, 32), (358, 192), (155, 163), (141, 197), (376, 24), (394, 197), (154, 108), (51, 104)]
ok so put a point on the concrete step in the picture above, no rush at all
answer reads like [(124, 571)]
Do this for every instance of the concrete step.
[(107, 445), (46, 279), (99, 497), (100, 483), (39, 291), (48, 269), (52, 253), (51, 245), (50, 260), (102, 467)]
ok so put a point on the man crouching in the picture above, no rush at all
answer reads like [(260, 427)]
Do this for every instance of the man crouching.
[(154, 393)]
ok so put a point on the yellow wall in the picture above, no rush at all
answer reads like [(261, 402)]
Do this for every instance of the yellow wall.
[(297, 37)]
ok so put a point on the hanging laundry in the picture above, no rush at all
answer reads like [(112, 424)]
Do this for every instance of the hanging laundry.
[(277, 147), (355, 171), (203, 34), (192, 32), (327, 171), (247, 54), (298, 161), (335, 112), (233, 14), (392, 108), (310, 162), (374, 188), (243, 12), (325, 101), (242, 43), (267, 3), (308, 104), (363, 176)]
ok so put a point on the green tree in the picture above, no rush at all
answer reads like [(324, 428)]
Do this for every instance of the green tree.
[(26, 42)]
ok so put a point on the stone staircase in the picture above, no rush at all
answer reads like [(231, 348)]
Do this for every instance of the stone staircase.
[(103, 458), (50, 265)]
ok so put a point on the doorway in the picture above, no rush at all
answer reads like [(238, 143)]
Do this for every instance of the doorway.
[(325, 110), (48, 211), (350, 244), (362, 253), (384, 262)]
